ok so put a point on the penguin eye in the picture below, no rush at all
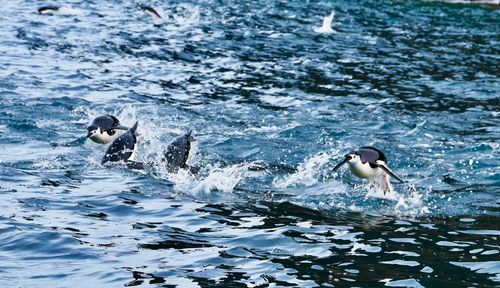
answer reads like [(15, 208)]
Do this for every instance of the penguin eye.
[(111, 132)]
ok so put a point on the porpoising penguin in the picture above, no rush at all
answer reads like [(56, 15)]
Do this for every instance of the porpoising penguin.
[(369, 163)]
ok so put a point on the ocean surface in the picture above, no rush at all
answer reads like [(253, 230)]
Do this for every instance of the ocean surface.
[(275, 99)]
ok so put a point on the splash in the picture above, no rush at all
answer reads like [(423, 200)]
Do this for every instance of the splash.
[(327, 25), (187, 15), (308, 173), (70, 11), (223, 179), (408, 203), (381, 187)]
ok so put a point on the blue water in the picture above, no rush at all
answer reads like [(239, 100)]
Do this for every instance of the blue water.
[(275, 102)]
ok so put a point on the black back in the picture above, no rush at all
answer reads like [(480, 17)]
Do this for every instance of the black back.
[(106, 122), (177, 152), (121, 148), (150, 10), (44, 9), (370, 154)]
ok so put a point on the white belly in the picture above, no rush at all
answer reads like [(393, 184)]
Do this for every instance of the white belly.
[(363, 170), (105, 138)]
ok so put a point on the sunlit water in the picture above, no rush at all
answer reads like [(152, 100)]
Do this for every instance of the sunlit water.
[(276, 93)]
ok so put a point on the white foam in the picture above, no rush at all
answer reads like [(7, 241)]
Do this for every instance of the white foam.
[(223, 179), (410, 204), (70, 11), (191, 16), (376, 189), (327, 25), (307, 173), (283, 101)]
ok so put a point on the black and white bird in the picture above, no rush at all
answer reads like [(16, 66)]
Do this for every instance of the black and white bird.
[(369, 163), (46, 10), (123, 150), (150, 11), (178, 151), (104, 129)]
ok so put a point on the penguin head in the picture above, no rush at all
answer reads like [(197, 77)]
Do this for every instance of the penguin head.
[(94, 133), (352, 157), (104, 129), (91, 130), (101, 136)]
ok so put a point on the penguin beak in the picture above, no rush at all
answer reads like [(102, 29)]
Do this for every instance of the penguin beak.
[(90, 132), (346, 159)]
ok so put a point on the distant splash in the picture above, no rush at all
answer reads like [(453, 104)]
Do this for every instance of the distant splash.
[(186, 15), (326, 28)]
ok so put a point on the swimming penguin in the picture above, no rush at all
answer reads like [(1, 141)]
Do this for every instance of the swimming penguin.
[(123, 149), (369, 163), (150, 11), (178, 152), (45, 10), (104, 129)]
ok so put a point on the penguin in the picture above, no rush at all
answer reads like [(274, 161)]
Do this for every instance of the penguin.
[(123, 150), (104, 129), (369, 163), (46, 10), (150, 11), (177, 153)]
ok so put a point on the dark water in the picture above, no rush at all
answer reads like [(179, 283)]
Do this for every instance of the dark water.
[(274, 104)]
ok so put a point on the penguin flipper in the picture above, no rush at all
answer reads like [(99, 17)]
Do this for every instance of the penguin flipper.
[(384, 167)]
